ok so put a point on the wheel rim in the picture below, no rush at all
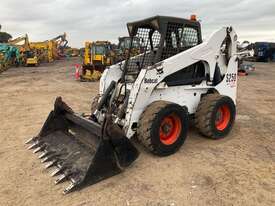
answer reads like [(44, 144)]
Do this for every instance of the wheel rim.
[(222, 117), (170, 129)]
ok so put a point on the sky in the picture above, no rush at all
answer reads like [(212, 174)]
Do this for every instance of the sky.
[(93, 20)]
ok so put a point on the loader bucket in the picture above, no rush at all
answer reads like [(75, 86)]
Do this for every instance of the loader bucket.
[(81, 150)]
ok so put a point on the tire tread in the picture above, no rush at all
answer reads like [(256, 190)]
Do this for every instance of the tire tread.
[(145, 123)]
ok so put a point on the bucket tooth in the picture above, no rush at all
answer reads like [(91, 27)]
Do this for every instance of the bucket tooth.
[(38, 149), (34, 145), (30, 140), (43, 154), (50, 164), (48, 158), (45, 159), (56, 171), (61, 178), (69, 188)]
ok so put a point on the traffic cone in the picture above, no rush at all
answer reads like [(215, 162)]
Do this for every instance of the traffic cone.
[(77, 71)]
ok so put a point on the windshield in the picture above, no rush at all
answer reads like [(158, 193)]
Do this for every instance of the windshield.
[(98, 50)]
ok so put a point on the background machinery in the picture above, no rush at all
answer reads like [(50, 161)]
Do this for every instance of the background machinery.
[(9, 55), (32, 53), (4, 36), (28, 56), (124, 45), (264, 51), (245, 56), (44, 50), (59, 45), (71, 52), (50, 50), (97, 56), (152, 96)]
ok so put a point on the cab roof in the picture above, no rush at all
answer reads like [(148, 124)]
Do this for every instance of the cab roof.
[(158, 23)]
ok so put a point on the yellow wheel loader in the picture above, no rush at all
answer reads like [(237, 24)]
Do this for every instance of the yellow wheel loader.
[(31, 58), (151, 96), (97, 56)]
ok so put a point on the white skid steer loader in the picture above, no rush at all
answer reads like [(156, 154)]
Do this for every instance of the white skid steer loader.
[(151, 95)]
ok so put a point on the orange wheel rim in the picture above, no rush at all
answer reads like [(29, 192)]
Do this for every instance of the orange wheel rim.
[(222, 117), (170, 129)]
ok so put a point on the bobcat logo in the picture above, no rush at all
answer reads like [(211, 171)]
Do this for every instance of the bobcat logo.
[(150, 81)]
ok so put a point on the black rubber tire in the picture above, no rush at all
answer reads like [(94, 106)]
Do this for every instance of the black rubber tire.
[(149, 124), (94, 103), (205, 116)]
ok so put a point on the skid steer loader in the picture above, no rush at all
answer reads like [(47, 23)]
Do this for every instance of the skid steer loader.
[(151, 95)]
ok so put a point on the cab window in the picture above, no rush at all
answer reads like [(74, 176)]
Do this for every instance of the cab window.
[(188, 37)]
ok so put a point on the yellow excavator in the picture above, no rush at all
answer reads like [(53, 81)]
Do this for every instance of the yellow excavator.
[(44, 50), (28, 56), (97, 56), (52, 49), (59, 44)]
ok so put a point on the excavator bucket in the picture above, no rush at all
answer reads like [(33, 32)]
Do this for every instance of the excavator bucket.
[(80, 150)]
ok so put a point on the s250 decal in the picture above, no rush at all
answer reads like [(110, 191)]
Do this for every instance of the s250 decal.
[(231, 79)]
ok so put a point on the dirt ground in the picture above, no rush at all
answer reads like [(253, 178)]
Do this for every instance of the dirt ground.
[(237, 170)]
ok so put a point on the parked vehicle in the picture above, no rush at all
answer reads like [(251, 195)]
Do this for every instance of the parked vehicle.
[(264, 51)]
